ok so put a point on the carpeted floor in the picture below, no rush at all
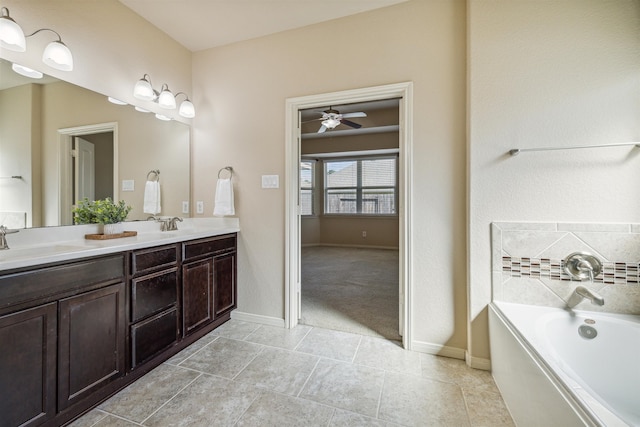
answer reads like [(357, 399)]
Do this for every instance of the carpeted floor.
[(351, 289)]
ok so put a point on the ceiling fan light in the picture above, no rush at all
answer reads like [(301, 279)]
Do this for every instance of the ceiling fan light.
[(167, 100), (142, 110), (57, 55), (143, 90), (26, 71), (163, 117), (331, 123), (187, 109), (11, 35)]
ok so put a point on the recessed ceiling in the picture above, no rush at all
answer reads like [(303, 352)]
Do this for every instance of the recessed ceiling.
[(203, 24)]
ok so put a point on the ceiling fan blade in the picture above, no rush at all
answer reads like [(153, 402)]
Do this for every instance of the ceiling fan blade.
[(350, 123), (356, 114), (312, 120), (322, 129)]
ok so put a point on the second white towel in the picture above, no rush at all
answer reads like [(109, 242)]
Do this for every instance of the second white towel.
[(152, 198), (224, 198)]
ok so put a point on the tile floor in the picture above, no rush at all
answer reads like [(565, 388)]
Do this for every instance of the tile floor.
[(245, 374)]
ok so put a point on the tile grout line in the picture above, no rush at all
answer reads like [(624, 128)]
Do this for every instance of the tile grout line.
[(172, 397), (309, 377), (302, 339), (191, 355), (384, 381), (355, 353), (262, 349)]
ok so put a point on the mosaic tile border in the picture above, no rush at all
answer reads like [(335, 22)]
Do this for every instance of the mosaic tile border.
[(613, 273)]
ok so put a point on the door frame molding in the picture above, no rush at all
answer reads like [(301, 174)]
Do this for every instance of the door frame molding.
[(404, 91), (65, 137)]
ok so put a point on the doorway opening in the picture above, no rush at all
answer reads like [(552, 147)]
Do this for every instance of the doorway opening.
[(402, 92), (88, 166), (349, 218)]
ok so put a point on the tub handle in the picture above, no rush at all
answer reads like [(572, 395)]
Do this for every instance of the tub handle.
[(582, 266)]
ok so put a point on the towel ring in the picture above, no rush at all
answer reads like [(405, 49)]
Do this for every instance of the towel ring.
[(156, 172), (228, 169)]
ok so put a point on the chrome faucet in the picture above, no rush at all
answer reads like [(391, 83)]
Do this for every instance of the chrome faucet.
[(580, 293), (173, 223), (3, 236)]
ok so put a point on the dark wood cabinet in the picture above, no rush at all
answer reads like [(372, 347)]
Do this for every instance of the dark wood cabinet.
[(74, 333), (208, 280), (91, 338), (28, 366), (154, 302), (197, 294)]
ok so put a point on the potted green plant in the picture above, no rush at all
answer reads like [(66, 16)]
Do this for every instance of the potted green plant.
[(106, 212)]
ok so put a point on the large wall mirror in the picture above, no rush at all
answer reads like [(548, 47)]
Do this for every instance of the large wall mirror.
[(45, 124)]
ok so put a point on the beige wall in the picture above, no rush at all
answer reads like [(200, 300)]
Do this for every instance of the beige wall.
[(242, 90), (549, 74)]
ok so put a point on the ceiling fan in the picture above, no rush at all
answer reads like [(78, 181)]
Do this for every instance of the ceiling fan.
[(332, 118)]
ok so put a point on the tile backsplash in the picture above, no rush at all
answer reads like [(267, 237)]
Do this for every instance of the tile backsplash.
[(527, 263)]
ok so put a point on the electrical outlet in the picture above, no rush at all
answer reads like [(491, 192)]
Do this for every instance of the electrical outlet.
[(364, 234), (185, 207), (200, 207)]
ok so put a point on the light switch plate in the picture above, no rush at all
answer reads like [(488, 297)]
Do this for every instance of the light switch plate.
[(185, 207), (200, 207), (128, 185), (270, 181)]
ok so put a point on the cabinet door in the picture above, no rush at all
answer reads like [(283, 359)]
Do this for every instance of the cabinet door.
[(224, 280), (197, 294), (91, 342), (28, 366)]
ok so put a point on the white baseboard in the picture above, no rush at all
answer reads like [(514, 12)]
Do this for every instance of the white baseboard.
[(477, 362), (332, 245), (257, 318), (438, 349)]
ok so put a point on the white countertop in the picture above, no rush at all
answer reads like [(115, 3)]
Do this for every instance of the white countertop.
[(45, 245)]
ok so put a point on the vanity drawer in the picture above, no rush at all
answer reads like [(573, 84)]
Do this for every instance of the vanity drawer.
[(220, 244), (43, 283), (146, 260), (153, 293), (153, 335)]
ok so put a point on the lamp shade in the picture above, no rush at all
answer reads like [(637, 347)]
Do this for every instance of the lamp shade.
[(11, 35), (166, 99), (57, 55), (143, 90), (26, 71), (163, 117), (187, 109)]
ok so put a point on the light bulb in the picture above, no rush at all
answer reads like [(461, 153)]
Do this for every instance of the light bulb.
[(187, 109), (143, 90), (116, 101), (163, 117), (11, 35), (57, 55), (167, 100)]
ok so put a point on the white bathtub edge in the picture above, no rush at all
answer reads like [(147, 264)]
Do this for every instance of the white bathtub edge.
[(545, 400)]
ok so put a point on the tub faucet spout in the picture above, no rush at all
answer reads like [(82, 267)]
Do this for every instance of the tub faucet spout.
[(580, 293)]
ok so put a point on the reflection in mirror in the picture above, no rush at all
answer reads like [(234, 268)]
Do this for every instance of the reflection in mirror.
[(44, 121)]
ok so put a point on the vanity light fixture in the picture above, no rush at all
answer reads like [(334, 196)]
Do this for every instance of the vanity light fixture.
[(56, 55), (144, 91), (163, 117), (26, 71), (166, 98), (142, 110), (187, 110)]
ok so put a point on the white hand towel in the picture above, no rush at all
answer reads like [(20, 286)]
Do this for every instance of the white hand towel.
[(224, 198), (152, 198)]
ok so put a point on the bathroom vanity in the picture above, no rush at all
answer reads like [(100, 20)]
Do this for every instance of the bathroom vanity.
[(75, 331)]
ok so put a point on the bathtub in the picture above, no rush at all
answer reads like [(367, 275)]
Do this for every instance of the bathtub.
[(556, 367)]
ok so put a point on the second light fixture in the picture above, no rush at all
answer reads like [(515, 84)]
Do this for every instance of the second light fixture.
[(143, 90)]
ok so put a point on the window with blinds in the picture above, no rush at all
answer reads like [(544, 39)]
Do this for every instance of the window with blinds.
[(361, 186), (307, 168)]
